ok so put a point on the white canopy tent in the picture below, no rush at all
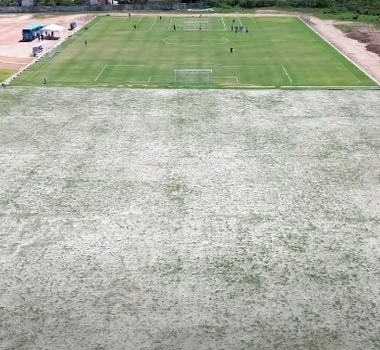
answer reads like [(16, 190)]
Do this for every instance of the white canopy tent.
[(53, 31)]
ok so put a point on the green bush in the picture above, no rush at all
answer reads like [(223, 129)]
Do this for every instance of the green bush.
[(366, 7), (351, 8)]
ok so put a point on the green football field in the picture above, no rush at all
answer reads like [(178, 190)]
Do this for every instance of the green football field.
[(266, 52), (4, 73)]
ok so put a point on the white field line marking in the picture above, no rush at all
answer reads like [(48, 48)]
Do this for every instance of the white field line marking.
[(253, 20), (39, 69), (233, 77), (140, 19), (196, 22), (343, 54), (290, 40), (128, 65), (101, 72), (194, 42), (240, 21), (13, 77), (227, 77), (287, 74), (171, 20), (334, 87), (224, 24), (154, 22), (244, 86), (246, 66), (162, 77), (247, 86)]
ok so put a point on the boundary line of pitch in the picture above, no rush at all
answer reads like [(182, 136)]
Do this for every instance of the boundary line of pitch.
[(337, 49)]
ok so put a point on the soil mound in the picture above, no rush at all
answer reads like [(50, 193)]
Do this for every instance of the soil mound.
[(363, 37), (374, 48)]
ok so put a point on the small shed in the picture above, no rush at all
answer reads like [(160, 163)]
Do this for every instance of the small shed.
[(53, 31)]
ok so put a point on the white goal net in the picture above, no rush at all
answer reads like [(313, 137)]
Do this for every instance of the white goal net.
[(192, 76), (195, 25)]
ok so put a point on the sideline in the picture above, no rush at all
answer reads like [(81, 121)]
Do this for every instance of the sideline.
[(154, 22), (340, 51), (7, 81), (287, 74), (224, 24)]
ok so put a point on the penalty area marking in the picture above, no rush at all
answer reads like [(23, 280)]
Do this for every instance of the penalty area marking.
[(118, 65), (154, 22), (287, 74), (171, 20), (161, 78), (224, 24), (227, 77), (195, 42), (101, 72), (38, 70)]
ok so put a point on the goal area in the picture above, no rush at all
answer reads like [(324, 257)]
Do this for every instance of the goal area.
[(192, 76), (195, 25)]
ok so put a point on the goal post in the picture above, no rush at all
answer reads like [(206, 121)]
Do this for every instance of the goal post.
[(192, 76), (194, 23)]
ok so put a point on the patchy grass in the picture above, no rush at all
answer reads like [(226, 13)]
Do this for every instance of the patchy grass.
[(346, 28), (348, 16), (4, 74), (182, 219)]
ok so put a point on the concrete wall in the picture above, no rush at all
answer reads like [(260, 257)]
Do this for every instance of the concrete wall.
[(84, 8)]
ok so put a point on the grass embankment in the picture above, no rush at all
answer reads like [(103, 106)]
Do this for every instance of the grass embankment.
[(348, 16)]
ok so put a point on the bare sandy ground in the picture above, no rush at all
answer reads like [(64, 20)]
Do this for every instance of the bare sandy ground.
[(15, 54)]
